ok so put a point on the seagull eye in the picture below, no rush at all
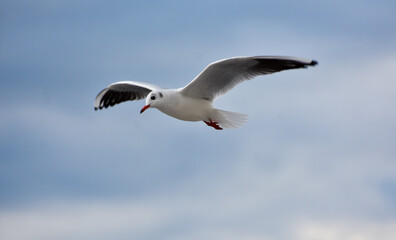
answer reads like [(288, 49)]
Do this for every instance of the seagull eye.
[(152, 97)]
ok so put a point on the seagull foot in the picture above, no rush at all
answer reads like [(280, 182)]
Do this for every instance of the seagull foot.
[(215, 125)]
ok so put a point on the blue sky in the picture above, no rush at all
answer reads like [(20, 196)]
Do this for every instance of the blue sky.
[(315, 161)]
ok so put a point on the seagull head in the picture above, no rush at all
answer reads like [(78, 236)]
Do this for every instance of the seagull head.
[(152, 100)]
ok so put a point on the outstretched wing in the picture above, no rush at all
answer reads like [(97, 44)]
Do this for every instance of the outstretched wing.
[(221, 76), (122, 91)]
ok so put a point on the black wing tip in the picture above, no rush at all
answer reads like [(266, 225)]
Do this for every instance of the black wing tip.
[(99, 108), (313, 63)]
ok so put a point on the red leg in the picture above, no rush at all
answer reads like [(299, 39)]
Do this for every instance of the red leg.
[(215, 125)]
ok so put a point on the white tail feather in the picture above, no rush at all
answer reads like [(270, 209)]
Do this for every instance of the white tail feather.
[(228, 119)]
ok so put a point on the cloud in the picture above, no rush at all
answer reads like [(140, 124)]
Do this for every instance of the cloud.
[(243, 200), (348, 230), (80, 221)]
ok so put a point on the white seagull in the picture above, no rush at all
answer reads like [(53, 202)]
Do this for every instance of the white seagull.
[(194, 101)]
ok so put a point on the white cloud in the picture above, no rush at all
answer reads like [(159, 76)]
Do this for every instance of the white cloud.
[(79, 221), (346, 230)]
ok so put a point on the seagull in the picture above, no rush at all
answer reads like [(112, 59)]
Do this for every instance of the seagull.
[(194, 102)]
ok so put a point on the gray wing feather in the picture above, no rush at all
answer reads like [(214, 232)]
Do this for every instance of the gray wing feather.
[(221, 76), (122, 91)]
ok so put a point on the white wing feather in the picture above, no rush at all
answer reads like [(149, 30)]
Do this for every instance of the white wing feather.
[(221, 76)]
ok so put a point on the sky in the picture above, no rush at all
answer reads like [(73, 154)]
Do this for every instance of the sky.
[(316, 160)]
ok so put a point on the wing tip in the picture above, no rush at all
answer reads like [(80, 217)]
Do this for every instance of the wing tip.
[(313, 63)]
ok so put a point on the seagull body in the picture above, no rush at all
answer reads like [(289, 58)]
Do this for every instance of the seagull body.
[(184, 108), (194, 102)]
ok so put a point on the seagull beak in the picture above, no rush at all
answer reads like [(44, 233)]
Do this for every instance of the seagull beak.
[(144, 108)]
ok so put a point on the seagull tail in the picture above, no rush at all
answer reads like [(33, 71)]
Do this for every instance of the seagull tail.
[(228, 119)]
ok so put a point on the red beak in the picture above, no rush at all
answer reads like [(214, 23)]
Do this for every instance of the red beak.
[(144, 108)]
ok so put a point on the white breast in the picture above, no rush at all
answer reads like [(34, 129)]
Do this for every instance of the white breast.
[(184, 108)]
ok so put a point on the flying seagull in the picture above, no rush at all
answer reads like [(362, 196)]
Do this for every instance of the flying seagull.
[(194, 101)]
